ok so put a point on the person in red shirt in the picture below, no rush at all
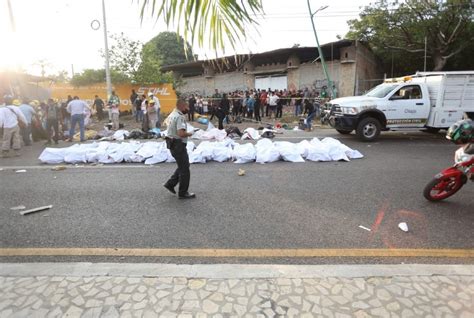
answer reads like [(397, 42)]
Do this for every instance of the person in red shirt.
[(263, 102)]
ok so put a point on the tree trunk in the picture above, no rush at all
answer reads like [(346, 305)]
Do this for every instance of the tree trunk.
[(439, 62)]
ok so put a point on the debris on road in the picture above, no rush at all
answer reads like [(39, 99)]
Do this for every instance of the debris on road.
[(20, 171), (42, 208), (241, 172), (58, 168), (403, 226), (365, 228), (19, 207)]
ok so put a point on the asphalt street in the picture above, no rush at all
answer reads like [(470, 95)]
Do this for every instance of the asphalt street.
[(281, 205)]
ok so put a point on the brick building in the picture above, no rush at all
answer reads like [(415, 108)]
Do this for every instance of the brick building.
[(352, 66)]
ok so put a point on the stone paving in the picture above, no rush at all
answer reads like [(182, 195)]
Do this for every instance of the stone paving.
[(106, 296)]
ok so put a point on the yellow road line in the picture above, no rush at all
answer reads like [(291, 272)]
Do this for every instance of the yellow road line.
[(242, 253)]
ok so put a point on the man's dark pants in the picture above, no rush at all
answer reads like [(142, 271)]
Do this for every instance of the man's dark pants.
[(52, 124), (257, 113), (182, 173), (279, 113), (191, 114), (25, 133)]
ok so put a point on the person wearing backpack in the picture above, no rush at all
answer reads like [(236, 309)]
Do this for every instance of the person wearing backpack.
[(52, 121), (11, 120)]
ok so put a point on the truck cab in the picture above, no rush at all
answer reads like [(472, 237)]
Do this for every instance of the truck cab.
[(425, 100)]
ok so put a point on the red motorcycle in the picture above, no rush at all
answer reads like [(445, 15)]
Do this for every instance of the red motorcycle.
[(449, 181)]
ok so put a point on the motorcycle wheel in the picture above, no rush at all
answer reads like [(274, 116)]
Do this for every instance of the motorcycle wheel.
[(441, 188)]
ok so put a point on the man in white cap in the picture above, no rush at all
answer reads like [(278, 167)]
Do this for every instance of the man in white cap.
[(156, 101), (11, 118)]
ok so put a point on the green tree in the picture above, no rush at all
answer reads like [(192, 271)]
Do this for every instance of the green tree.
[(125, 55), (398, 30), (92, 76), (168, 48), (214, 22), (61, 76)]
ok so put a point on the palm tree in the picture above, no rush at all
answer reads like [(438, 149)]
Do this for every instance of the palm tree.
[(212, 22)]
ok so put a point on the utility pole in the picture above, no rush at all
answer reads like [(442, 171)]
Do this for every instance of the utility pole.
[(12, 19), (321, 56), (424, 64), (106, 47)]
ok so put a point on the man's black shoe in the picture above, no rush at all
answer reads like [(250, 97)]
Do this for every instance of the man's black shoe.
[(170, 188), (187, 195)]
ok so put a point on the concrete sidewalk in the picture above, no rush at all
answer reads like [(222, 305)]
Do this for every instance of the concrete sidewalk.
[(164, 290)]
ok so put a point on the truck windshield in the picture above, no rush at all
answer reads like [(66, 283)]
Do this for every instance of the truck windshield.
[(381, 91)]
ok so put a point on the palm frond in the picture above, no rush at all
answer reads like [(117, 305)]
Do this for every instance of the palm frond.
[(212, 23)]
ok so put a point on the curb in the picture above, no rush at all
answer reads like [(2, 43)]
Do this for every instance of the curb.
[(229, 271)]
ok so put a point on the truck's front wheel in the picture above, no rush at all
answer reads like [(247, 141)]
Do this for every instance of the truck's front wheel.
[(368, 129)]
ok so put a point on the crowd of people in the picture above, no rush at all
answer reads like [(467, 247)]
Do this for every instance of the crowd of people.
[(255, 104), (23, 120)]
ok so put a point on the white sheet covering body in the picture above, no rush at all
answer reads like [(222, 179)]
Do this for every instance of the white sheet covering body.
[(153, 152)]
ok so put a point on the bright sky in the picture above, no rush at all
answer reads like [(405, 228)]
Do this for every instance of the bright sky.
[(59, 32)]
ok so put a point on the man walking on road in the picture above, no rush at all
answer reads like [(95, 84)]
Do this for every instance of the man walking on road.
[(77, 109), (176, 143), (11, 118)]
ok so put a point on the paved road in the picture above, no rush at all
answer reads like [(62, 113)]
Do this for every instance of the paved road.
[(274, 206)]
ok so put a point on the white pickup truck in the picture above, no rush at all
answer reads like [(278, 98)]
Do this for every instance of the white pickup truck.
[(426, 100)]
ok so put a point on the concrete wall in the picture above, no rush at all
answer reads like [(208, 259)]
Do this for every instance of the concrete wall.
[(229, 82), (369, 72), (312, 75), (225, 82)]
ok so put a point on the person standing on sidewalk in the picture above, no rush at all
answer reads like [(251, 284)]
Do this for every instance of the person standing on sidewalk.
[(279, 109), (99, 107), (11, 118), (272, 104), (133, 98), (113, 103), (152, 114), (77, 108), (138, 108), (310, 110), (298, 103), (263, 102), (176, 142), (157, 105), (29, 113), (250, 106), (192, 107), (257, 107), (52, 121)]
